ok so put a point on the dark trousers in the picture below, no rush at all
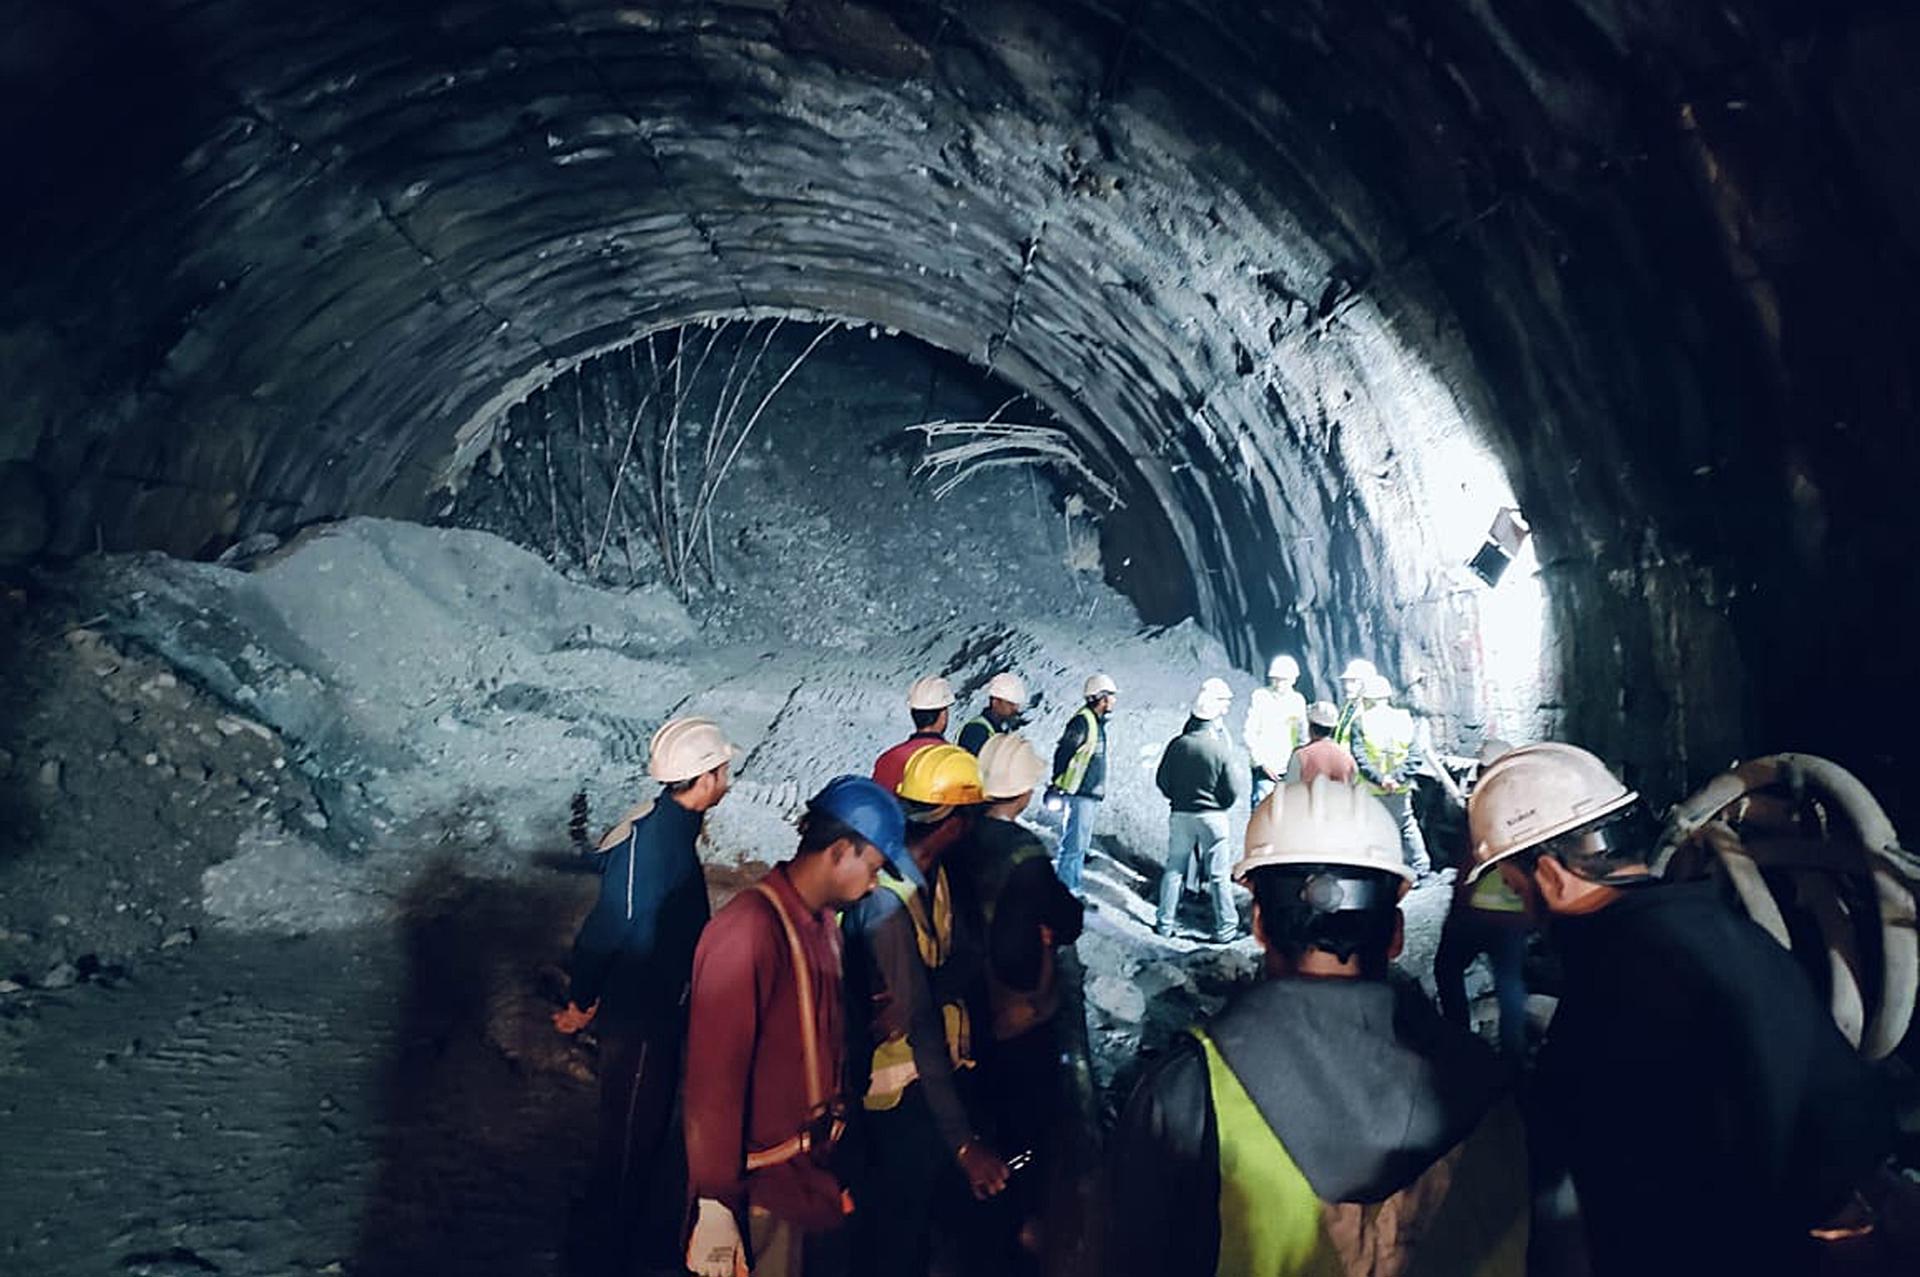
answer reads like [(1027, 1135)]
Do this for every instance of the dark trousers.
[(1021, 1097), (1503, 938), (631, 1216), (908, 1181)]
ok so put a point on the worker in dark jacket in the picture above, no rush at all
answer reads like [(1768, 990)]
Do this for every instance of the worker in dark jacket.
[(1080, 776), (632, 962), (1708, 1109), (1202, 780), (915, 974), (1006, 697), (1323, 1123), (1003, 877)]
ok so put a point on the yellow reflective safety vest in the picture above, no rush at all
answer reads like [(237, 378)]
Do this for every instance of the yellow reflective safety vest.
[(1492, 895), (1343, 729), (893, 1066), (1385, 740), (1068, 781), (1466, 1216)]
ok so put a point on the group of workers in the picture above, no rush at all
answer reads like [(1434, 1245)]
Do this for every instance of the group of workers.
[(1366, 741), (871, 1048)]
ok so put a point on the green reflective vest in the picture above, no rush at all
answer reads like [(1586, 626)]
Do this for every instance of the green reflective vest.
[(1465, 1217), (1384, 735), (1069, 780), (1343, 730)]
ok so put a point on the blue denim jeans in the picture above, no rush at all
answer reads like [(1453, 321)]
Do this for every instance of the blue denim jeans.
[(1262, 786), (1075, 839)]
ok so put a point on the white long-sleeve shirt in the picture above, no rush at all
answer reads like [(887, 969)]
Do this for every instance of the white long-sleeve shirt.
[(1276, 726)]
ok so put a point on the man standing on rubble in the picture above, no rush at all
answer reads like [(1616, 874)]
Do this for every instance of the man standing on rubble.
[(631, 966), (1383, 746), (1276, 725), (1080, 776), (1324, 1123), (930, 702), (1006, 697), (1199, 775), (1004, 877), (1708, 1110), (915, 974), (766, 1049)]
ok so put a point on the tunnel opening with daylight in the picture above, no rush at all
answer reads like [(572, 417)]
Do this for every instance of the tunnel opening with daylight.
[(407, 407)]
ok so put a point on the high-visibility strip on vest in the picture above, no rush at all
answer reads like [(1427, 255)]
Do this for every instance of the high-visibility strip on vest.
[(893, 1067), (1270, 1220), (1069, 780), (1467, 1216), (1343, 730)]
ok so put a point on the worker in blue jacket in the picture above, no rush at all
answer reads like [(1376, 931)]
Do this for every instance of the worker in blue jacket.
[(632, 964)]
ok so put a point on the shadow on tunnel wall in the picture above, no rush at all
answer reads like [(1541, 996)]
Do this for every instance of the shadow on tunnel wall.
[(489, 1115)]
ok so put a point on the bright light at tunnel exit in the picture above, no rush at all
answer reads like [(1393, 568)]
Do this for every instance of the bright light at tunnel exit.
[(1512, 631)]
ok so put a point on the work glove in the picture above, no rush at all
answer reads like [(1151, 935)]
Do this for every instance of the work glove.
[(715, 1249), (571, 1019)]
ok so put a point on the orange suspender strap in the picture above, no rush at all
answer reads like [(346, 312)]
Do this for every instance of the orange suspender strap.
[(788, 1149)]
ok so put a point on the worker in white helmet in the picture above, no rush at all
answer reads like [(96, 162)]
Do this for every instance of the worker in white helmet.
[(930, 703), (1276, 725), (1384, 750), (1352, 680), (1690, 1074), (1006, 697), (632, 964), (1080, 775), (1324, 1122)]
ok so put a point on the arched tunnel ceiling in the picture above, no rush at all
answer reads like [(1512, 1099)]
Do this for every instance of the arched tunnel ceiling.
[(1279, 266)]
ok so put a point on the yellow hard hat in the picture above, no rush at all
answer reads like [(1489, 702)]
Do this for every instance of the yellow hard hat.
[(1535, 793), (942, 776)]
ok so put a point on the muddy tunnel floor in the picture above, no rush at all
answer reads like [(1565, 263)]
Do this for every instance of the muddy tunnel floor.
[(286, 892)]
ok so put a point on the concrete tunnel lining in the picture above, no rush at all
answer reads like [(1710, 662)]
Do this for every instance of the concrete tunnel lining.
[(1268, 265)]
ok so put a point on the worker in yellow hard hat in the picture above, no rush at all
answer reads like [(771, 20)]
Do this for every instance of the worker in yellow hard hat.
[(915, 970), (1323, 1123)]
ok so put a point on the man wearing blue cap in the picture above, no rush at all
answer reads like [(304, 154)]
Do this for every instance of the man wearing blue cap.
[(766, 1047)]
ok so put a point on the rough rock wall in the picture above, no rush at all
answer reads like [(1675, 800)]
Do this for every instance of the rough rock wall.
[(1278, 265)]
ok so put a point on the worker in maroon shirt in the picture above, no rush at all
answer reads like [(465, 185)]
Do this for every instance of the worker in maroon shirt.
[(766, 1048), (1320, 756), (930, 701)]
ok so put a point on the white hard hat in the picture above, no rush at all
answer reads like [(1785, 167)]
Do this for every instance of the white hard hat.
[(1010, 767), (931, 692), (1322, 823), (1283, 667), (1534, 793), (1323, 714), (1007, 687), (1098, 685), (1374, 687), (687, 747), (1358, 669), (1213, 698)]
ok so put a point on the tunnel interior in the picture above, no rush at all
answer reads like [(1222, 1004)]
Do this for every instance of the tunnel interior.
[(470, 301)]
